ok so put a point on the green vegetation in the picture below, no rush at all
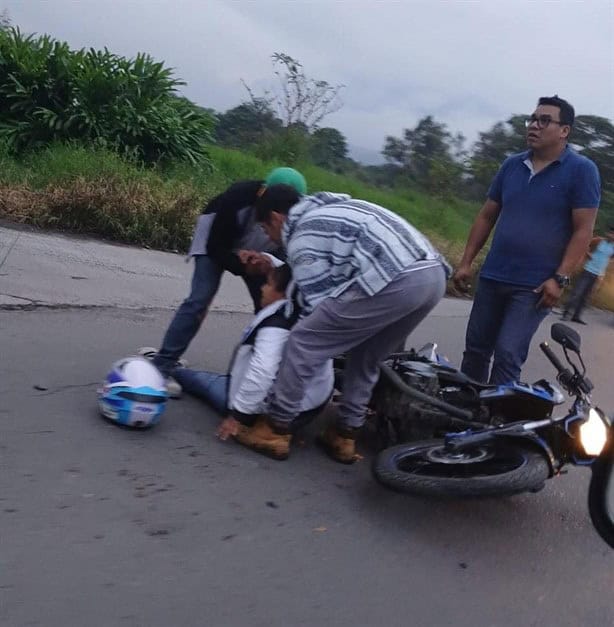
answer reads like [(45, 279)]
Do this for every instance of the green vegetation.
[(98, 192), (50, 93), (95, 143)]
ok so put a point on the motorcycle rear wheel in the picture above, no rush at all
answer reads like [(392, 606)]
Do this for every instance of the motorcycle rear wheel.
[(492, 469)]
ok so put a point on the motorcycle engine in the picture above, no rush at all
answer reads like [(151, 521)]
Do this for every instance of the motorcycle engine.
[(396, 416)]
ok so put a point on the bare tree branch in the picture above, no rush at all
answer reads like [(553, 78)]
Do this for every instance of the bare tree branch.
[(5, 20), (298, 99)]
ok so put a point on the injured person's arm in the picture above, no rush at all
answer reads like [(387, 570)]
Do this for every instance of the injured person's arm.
[(229, 426)]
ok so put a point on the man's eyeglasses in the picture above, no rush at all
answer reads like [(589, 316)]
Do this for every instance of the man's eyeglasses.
[(543, 121)]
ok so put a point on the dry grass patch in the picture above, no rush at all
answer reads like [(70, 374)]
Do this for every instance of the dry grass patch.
[(126, 211), (604, 295)]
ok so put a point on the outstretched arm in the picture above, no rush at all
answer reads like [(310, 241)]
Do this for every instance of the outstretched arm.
[(225, 230), (583, 223), (480, 230), (221, 240)]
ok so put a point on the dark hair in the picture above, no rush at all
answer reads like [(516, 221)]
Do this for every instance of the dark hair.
[(278, 198), (280, 277), (567, 114)]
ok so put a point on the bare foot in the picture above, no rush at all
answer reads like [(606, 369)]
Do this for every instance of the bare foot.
[(228, 426)]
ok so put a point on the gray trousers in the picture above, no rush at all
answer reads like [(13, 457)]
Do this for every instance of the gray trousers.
[(367, 328)]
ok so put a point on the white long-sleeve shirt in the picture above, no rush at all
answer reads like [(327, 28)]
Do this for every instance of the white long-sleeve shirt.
[(256, 361)]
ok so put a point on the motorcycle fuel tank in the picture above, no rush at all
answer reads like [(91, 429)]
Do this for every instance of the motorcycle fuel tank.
[(521, 401)]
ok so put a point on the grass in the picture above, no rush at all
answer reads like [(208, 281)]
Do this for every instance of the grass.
[(95, 192), (604, 294), (445, 221)]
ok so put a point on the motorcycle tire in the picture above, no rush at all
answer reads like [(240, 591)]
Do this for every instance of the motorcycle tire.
[(599, 493), (487, 470)]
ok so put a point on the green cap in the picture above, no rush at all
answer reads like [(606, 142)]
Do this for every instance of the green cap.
[(287, 176)]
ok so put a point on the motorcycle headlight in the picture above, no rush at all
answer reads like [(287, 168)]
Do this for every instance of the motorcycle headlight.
[(593, 433)]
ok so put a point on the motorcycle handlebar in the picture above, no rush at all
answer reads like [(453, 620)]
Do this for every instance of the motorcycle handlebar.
[(552, 357), (573, 383)]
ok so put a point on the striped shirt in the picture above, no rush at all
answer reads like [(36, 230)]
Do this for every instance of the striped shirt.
[(334, 241)]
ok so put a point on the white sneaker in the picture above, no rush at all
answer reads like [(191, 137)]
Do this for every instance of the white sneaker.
[(149, 352), (173, 388)]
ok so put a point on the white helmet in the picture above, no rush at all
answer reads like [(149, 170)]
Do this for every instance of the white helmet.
[(133, 393)]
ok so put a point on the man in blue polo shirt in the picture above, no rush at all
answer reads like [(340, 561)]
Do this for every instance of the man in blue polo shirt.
[(544, 202)]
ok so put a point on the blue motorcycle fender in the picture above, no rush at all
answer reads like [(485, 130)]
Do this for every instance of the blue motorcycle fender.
[(536, 442)]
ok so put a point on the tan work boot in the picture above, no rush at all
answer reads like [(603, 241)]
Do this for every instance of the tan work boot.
[(339, 443), (263, 439)]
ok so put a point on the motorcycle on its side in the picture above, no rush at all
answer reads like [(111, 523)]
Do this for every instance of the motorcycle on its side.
[(485, 440)]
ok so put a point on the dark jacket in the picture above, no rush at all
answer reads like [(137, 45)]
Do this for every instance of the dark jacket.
[(234, 226)]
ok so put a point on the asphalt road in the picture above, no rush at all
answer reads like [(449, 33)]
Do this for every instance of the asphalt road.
[(100, 526)]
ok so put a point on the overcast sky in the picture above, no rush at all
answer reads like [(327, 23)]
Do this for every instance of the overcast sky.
[(468, 63)]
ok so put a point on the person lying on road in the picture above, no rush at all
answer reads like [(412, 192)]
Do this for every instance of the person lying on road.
[(241, 394)]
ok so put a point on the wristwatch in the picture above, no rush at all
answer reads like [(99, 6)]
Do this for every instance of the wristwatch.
[(561, 279)]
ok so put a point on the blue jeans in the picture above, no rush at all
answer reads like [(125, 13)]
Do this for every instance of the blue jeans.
[(212, 387), (188, 318), (503, 320)]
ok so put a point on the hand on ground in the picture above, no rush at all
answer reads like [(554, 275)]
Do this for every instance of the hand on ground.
[(229, 426)]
